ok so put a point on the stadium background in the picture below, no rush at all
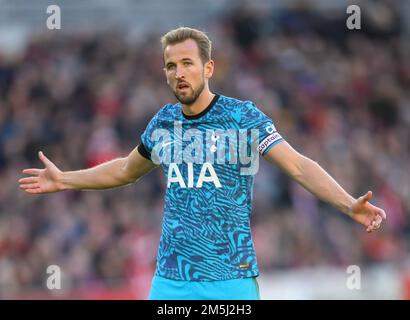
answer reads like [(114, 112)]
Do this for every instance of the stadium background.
[(84, 94)]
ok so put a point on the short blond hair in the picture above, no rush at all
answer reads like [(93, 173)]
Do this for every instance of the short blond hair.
[(184, 33)]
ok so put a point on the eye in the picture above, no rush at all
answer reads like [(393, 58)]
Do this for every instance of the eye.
[(170, 67), (187, 63)]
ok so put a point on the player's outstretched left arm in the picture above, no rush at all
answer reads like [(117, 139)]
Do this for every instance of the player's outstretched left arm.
[(316, 180)]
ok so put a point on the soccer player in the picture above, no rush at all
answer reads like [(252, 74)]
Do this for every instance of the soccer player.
[(206, 146)]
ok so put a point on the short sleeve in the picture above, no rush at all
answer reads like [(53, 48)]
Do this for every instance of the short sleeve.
[(146, 145), (256, 120)]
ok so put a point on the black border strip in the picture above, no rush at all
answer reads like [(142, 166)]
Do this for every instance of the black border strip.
[(143, 151)]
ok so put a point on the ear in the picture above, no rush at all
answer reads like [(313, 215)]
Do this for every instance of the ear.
[(165, 72), (209, 68)]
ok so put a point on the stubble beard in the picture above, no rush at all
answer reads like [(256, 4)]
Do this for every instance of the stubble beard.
[(190, 99)]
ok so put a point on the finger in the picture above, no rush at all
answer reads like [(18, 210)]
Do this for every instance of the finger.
[(370, 226), (33, 172), (29, 186), (44, 159), (33, 191), (366, 197), (382, 214), (370, 229), (28, 180), (374, 225)]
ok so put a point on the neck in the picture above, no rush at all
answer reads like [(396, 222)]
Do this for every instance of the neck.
[(200, 104)]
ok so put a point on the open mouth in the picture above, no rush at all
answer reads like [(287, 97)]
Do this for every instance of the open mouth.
[(182, 86)]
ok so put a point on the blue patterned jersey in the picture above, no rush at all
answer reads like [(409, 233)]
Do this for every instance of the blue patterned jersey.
[(210, 160)]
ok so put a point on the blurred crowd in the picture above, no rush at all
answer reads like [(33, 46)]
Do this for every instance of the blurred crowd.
[(337, 96)]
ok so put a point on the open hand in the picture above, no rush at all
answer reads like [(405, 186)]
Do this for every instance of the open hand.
[(367, 214), (42, 180)]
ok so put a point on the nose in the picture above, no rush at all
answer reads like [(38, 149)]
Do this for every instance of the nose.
[(179, 74)]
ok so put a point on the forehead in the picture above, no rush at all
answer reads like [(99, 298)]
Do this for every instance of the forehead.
[(181, 50)]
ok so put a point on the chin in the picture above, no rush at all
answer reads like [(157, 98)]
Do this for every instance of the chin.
[(187, 99)]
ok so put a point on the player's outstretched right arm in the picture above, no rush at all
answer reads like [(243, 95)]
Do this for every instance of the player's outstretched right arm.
[(114, 173)]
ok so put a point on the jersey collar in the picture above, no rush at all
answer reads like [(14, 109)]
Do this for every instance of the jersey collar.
[(203, 112)]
